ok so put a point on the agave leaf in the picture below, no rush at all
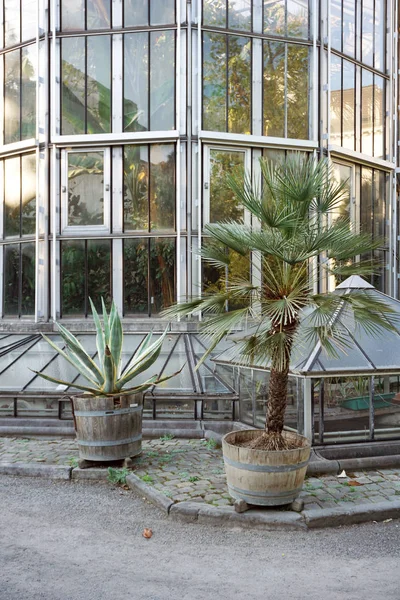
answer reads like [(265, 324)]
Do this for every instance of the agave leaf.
[(116, 339), (109, 372), (100, 340), (142, 346), (106, 323), (140, 366), (80, 367), (77, 350), (93, 391), (149, 383), (140, 356)]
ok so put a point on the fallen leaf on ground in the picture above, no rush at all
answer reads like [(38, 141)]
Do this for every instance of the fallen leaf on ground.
[(147, 533), (354, 483)]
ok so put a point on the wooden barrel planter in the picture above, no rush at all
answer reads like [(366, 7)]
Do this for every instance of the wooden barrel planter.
[(260, 477), (108, 429)]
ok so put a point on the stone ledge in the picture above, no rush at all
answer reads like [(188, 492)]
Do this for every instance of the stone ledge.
[(35, 470), (93, 473), (358, 513), (137, 485)]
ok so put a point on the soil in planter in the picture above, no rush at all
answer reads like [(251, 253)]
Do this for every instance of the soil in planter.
[(271, 442)]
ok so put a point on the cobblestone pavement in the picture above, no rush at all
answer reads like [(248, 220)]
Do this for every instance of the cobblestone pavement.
[(193, 470)]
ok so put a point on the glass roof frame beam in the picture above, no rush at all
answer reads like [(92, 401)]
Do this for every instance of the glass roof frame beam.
[(53, 358), (36, 340)]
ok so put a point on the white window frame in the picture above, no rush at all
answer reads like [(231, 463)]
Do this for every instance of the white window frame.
[(86, 230)]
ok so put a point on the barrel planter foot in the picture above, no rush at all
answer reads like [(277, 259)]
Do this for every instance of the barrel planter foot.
[(108, 428), (261, 477)]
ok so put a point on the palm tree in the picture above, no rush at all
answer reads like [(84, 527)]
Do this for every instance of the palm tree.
[(296, 238)]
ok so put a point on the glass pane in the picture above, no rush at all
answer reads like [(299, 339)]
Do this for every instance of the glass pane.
[(223, 202), (349, 27), (336, 24), (239, 85), (98, 84), (239, 14), (162, 273), (136, 82), (342, 173), (98, 14), (367, 106), (297, 18), (379, 232), (12, 196), (162, 187), (73, 86), (136, 13), (274, 89), (136, 188), (73, 277), (349, 99), (379, 54), (85, 188), (297, 92), (336, 100), (28, 194), (72, 14), (162, 12), (367, 38), (11, 22), (379, 116), (214, 13), (28, 92), (136, 277), (214, 81), (274, 17), (99, 272), (12, 96), (28, 18), (162, 80), (28, 279), (11, 280), (366, 215)]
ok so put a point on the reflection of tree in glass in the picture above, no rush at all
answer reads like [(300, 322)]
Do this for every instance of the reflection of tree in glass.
[(99, 272), (136, 182), (286, 18), (73, 277), (85, 168), (162, 186), (98, 14), (136, 276), (223, 202), (162, 273), (28, 279)]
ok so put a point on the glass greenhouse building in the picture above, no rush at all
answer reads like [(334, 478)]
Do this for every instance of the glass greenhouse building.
[(121, 118)]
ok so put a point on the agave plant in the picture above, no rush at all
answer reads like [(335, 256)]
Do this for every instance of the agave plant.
[(107, 377)]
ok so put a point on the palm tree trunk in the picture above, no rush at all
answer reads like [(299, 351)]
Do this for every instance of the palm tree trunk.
[(277, 399)]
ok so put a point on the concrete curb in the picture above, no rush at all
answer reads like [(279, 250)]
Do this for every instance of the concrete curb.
[(137, 485), (334, 517), (93, 474), (35, 470)]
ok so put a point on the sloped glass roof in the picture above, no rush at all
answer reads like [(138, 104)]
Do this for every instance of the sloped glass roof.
[(20, 355), (364, 353)]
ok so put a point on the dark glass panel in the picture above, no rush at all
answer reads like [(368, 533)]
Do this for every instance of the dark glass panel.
[(349, 27), (297, 18), (336, 100), (380, 35), (73, 85), (12, 197), (297, 91), (238, 270), (99, 271), (162, 12), (223, 202), (162, 273), (379, 116), (136, 188), (336, 24), (28, 194), (136, 13), (239, 14), (214, 13), (72, 14), (11, 22), (367, 111), (162, 80), (274, 89), (73, 277), (99, 84), (98, 14), (85, 188), (12, 96), (349, 98), (136, 82), (274, 17), (342, 174), (136, 277), (162, 187), (239, 85), (28, 279), (366, 215), (214, 81), (28, 92), (28, 19), (367, 38), (11, 279)]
